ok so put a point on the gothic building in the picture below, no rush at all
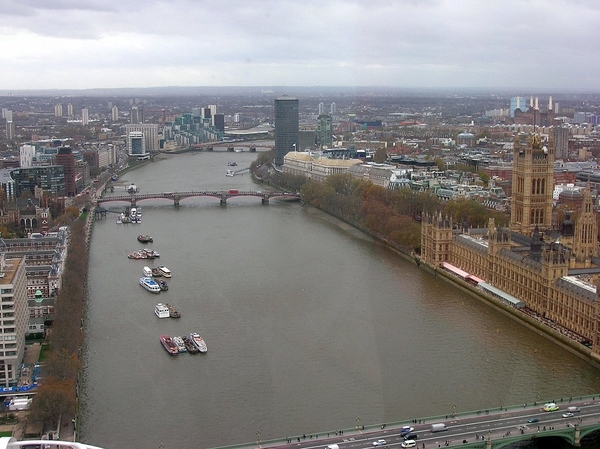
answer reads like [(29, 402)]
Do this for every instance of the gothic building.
[(552, 278)]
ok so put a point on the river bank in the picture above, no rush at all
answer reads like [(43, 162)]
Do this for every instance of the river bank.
[(526, 320)]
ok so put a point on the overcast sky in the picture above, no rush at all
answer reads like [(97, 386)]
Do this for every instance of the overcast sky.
[(533, 44)]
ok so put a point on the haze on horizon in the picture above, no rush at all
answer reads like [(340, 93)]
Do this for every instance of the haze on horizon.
[(433, 44)]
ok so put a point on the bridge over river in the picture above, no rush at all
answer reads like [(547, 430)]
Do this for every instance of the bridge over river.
[(221, 195), (483, 429)]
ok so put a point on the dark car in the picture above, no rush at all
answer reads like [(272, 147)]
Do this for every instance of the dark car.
[(534, 419), (411, 436)]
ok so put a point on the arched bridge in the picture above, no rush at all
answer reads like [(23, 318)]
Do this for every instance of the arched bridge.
[(221, 195)]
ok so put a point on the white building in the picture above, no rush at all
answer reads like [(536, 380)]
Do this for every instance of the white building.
[(85, 117), (318, 168), (150, 132), (15, 318), (26, 156)]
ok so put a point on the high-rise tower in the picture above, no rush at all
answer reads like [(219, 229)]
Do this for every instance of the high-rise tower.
[(287, 118), (67, 160), (532, 184)]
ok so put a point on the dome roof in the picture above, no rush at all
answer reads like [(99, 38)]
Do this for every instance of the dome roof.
[(465, 136)]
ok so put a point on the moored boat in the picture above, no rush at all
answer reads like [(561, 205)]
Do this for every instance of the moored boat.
[(143, 238), (150, 284), (199, 342), (164, 271), (189, 345), (163, 285), (180, 344), (155, 272), (161, 311), (151, 253), (173, 312), (168, 344), (147, 271)]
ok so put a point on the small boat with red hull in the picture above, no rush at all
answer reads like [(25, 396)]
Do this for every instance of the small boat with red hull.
[(169, 344)]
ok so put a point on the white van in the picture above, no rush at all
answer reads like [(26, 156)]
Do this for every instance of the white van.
[(333, 446), (573, 409), (438, 427)]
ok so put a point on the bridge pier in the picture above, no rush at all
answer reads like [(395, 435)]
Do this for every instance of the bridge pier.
[(223, 200), (577, 442), (176, 199), (133, 201), (265, 199)]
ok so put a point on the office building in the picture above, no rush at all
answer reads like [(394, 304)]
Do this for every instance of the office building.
[(321, 108), (287, 117), (333, 108), (150, 133), (15, 318), (324, 131), (219, 122), (66, 158), (136, 144), (114, 112), (85, 117), (49, 178)]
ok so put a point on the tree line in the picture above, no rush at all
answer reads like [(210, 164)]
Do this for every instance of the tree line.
[(392, 215), (57, 394)]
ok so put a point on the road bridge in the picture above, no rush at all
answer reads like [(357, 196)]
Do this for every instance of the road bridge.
[(177, 197), (482, 429)]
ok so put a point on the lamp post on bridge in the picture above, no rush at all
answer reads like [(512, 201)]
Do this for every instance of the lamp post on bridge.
[(258, 437), (358, 423)]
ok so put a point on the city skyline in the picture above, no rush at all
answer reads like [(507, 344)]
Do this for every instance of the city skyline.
[(441, 44)]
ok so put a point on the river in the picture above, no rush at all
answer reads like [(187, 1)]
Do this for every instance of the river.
[(309, 326)]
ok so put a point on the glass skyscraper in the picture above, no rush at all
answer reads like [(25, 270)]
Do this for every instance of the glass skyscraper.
[(287, 119)]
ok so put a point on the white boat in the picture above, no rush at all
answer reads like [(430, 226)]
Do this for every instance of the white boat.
[(230, 173), (180, 344), (164, 271), (150, 284), (119, 220), (147, 272), (161, 311), (199, 342)]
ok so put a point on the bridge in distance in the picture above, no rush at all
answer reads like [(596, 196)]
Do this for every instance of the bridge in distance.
[(501, 427), (221, 195)]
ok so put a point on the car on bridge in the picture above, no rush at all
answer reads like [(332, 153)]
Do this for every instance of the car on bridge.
[(533, 419), (567, 415), (409, 443), (379, 443), (550, 407), (405, 430)]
